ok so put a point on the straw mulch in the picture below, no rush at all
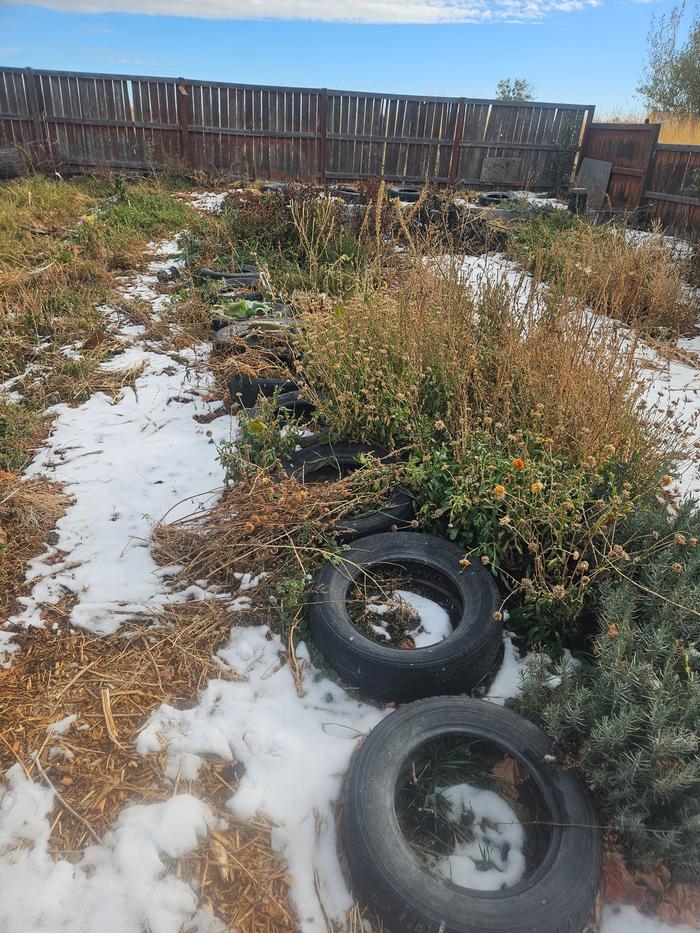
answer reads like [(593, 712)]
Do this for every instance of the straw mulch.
[(114, 683)]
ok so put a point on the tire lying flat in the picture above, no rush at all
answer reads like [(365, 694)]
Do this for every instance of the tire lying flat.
[(247, 390), (399, 509), (458, 664), (557, 897)]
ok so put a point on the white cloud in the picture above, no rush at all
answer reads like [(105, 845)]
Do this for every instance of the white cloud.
[(347, 11)]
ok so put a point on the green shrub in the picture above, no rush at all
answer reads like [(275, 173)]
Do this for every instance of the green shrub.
[(630, 717)]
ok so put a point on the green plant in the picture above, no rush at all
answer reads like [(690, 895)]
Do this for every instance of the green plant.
[(546, 528), (630, 717), (263, 440)]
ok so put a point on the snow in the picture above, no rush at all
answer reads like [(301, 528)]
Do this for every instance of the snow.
[(626, 919), (210, 202), (121, 885), (124, 463), (295, 745), (61, 726), (496, 833), (434, 625)]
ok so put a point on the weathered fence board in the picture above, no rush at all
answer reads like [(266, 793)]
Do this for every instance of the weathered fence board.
[(663, 179), (143, 122)]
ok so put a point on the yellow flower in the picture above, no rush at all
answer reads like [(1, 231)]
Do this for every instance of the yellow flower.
[(249, 527), (666, 480), (465, 562), (518, 463), (499, 491), (537, 487)]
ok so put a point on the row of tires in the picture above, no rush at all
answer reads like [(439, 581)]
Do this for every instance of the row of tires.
[(559, 889)]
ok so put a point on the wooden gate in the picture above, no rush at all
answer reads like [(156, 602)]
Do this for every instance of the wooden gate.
[(630, 147)]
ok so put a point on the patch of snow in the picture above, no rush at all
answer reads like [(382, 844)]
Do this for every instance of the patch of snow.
[(121, 885), (61, 726), (541, 200), (210, 202), (295, 745), (680, 248), (497, 836), (125, 462), (626, 919), (434, 626)]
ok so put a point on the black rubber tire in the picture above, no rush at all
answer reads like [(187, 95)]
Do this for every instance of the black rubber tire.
[(559, 894), (348, 193), (248, 275), (247, 389), (274, 187), (300, 409), (494, 198), (409, 195), (461, 662), (397, 513)]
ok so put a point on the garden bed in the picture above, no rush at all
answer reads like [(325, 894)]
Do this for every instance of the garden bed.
[(517, 420)]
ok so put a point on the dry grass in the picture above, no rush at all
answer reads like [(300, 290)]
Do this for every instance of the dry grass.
[(267, 523), (394, 363), (643, 284), (28, 511)]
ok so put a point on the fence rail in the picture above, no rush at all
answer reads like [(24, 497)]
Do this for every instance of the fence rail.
[(141, 122)]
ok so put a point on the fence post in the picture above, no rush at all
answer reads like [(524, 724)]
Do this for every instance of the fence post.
[(649, 168), (39, 135), (456, 142), (322, 131), (183, 118)]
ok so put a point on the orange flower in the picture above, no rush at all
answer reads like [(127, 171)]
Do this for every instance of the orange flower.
[(499, 491), (537, 487), (518, 463)]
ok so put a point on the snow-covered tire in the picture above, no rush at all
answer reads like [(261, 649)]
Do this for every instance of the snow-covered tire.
[(247, 389), (409, 195), (558, 895), (458, 664), (399, 510)]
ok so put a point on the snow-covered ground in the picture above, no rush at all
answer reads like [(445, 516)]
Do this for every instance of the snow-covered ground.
[(125, 463)]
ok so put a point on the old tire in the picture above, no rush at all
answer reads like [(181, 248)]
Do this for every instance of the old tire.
[(291, 404), (407, 194), (248, 389), (246, 275), (348, 193), (460, 663), (558, 895), (398, 511), (274, 187), (494, 198)]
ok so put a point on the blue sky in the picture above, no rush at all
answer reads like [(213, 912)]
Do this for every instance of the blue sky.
[(573, 51)]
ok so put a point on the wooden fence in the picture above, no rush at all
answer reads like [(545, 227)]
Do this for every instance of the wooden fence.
[(132, 122), (645, 173)]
